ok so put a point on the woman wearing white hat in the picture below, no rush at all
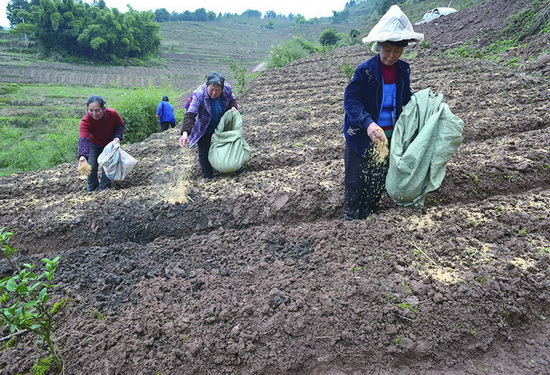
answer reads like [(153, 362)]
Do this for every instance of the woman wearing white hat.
[(373, 101)]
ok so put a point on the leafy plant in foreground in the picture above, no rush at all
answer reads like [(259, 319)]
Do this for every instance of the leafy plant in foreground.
[(24, 298)]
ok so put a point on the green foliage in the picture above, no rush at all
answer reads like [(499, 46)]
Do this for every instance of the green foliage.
[(466, 50), (97, 315), (24, 297), (329, 38), (43, 132), (308, 46), (407, 305), (531, 20), (239, 72), (13, 11), (9, 343), (137, 108), (354, 35), (347, 70), (51, 148), (269, 25), (300, 19), (286, 52), (92, 33), (42, 366)]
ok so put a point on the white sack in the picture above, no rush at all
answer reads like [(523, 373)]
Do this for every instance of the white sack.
[(116, 162)]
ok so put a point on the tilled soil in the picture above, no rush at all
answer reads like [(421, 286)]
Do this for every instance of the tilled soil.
[(258, 274)]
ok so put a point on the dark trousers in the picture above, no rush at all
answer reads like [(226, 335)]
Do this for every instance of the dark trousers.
[(364, 182), (204, 146), (93, 181), (164, 125)]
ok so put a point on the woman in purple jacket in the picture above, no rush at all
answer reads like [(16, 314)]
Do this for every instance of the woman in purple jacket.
[(208, 104)]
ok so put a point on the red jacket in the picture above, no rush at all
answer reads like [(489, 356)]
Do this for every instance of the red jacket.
[(104, 130)]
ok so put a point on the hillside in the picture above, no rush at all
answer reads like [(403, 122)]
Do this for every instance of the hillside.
[(258, 274), (183, 63)]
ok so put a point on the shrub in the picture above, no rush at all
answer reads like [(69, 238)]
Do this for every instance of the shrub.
[(240, 76), (137, 108), (308, 46), (329, 38), (286, 52), (347, 70)]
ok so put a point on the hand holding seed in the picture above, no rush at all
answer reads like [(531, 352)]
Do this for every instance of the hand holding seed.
[(375, 132), (83, 167)]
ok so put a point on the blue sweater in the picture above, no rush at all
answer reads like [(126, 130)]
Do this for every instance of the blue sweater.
[(363, 100), (166, 112)]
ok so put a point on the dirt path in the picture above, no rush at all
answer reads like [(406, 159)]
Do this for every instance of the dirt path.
[(257, 273)]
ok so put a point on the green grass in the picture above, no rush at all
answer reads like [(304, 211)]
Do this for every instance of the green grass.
[(531, 20), (39, 123)]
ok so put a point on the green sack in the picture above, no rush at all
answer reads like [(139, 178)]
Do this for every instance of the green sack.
[(229, 151), (424, 139)]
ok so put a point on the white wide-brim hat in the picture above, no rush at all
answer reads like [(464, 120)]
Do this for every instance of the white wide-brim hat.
[(394, 26)]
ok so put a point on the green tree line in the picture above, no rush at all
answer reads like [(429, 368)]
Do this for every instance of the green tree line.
[(202, 15), (90, 32)]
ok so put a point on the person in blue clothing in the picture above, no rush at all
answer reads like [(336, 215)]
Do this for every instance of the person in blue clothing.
[(165, 114), (373, 101)]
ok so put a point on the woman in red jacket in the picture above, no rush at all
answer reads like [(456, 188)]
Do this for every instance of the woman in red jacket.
[(98, 128)]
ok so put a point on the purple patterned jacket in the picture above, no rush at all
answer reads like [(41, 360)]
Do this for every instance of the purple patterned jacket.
[(200, 107)]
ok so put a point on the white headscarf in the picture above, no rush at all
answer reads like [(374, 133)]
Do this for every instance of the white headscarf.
[(394, 26)]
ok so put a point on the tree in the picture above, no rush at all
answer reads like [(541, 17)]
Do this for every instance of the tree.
[(211, 15), (252, 13), (299, 20), (189, 16), (13, 11), (270, 14), (79, 30), (162, 15), (201, 14), (329, 37)]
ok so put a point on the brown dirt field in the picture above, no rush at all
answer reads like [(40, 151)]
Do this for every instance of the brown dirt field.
[(258, 273)]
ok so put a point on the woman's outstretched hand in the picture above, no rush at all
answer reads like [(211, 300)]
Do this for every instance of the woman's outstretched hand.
[(183, 140), (375, 132)]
